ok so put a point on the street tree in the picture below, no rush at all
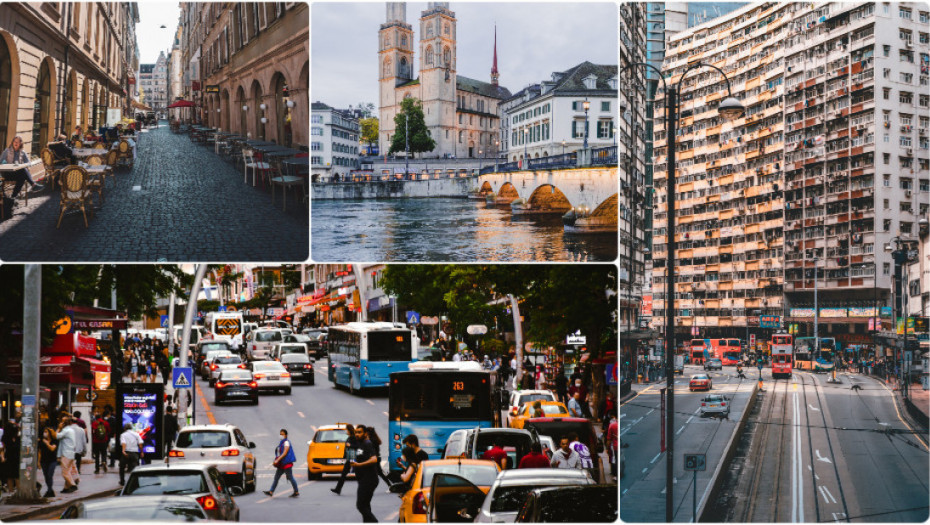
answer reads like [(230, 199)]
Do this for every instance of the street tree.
[(369, 131), (415, 127)]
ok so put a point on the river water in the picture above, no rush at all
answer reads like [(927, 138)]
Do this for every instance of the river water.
[(438, 230)]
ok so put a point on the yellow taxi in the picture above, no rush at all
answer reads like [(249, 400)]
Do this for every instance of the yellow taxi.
[(549, 408), (327, 451), (415, 502)]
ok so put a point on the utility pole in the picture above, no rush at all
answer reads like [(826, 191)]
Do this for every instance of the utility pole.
[(32, 340), (186, 336), (406, 143), (518, 336)]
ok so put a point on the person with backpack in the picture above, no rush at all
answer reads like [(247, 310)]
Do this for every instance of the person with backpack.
[(284, 464), (100, 436)]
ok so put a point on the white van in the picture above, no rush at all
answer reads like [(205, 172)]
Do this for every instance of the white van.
[(259, 342), (288, 348), (197, 333)]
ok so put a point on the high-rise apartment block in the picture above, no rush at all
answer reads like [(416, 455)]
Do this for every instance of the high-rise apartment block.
[(829, 162)]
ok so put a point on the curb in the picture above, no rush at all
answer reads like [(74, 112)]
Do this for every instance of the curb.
[(60, 506), (728, 452)]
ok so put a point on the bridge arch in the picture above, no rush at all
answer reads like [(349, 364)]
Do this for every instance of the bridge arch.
[(507, 194), (548, 198), (607, 209)]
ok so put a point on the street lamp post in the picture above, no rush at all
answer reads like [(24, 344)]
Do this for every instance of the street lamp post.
[(526, 140), (899, 252), (563, 147), (730, 109), (587, 106), (406, 144)]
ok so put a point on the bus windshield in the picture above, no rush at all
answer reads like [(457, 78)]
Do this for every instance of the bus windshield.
[(697, 342), (733, 342), (389, 346), (439, 396)]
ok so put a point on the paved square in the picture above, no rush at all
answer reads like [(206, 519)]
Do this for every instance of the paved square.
[(179, 203)]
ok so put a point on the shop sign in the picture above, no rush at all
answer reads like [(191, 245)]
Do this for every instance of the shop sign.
[(99, 324), (647, 306), (886, 311), (769, 321), (862, 311), (832, 312), (212, 88), (576, 339), (304, 299), (429, 321), (802, 312)]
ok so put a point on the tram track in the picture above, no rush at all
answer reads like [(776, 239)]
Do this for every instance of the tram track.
[(819, 489), (767, 423)]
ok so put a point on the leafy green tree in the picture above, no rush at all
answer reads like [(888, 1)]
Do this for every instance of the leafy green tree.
[(369, 131), (420, 139)]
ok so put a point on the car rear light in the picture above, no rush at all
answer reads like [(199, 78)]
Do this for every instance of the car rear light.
[(207, 502), (419, 504), (176, 454), (259, 376), (253, 384), (242, 366), (254, 347), (513, 411), (231, 452), (723, 404), (212, 367), (703, 404), (220, 384), (286, 374), (308, 366)]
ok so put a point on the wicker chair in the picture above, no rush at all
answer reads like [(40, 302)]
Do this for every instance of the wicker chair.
[(125, 153), (112, 159), (74, 192), (100, 145), (78, 144), (95, 181), (48, 160)]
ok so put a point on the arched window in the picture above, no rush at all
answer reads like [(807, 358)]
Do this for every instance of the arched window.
[(429, 55), (402, 72), (446, 57), (387, 67), (403, 40), (6, 89)]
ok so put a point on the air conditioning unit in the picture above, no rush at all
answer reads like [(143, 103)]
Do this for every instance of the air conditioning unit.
[(908, 44), (907, 193), (909, 152)]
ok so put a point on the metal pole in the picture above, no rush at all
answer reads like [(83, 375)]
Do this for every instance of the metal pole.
[(585, 129), (406, 144), (816, 318), (32, 339), (186, 334), (518, 337), (171, 301), (671, 117), (904, 308), (694, 498)]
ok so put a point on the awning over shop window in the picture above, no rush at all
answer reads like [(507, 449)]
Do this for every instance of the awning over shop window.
[(96, 365)]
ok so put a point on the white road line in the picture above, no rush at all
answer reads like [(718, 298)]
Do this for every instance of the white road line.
[(812, 407), (301, 414), (825, 489), (821, 458), (689, 419), (679, 431), (645, 469), (656, 458), (624, 491), (696, 410), (651, 411), (370, 402), (621, 415), (824, 494), (637, 420), (392, 516), (289, 402)]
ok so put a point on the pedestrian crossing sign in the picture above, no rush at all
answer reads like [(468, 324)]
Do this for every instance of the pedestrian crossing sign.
[(182, 377)]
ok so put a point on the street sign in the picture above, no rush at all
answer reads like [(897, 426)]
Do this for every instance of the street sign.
[(413, 317), (477, 329), (769, 321), (182, 377), (164, 321), (576, 339), (221, 309), (695, 462), (752, 340)]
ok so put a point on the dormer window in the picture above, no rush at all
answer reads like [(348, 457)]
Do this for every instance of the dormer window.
[(612, 82), (590, 81)]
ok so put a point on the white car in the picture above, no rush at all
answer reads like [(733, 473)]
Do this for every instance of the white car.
[(281, 349), (259, 342), (507, 494), (223, 362), (208, 360), (518, 397), (222, 445), (271, 375)]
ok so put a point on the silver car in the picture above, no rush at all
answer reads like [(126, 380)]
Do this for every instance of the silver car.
[(271, 375), (509, 490), (715, 404), (259, 342), (223, 362), (208, 360)]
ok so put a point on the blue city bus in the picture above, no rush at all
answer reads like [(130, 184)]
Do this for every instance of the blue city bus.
[(363, 355), (434, 399)]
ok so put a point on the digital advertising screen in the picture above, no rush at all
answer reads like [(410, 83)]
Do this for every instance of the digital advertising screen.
[(142, 407)]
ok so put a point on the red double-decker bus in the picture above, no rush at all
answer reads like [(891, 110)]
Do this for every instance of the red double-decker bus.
[(729, 351), (699, 349), (782, 355)]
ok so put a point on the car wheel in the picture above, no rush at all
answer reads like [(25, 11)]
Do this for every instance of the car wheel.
[(242, 483), (313, 476), (250, 486), (216, 401), (311, 382), (287, 391)]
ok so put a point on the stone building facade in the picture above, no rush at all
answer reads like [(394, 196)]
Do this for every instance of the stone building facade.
[(62, 65)]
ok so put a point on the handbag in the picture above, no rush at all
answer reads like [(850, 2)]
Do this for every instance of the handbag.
[(111, 447)]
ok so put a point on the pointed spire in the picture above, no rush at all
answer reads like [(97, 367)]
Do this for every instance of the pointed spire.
[(494, 73)]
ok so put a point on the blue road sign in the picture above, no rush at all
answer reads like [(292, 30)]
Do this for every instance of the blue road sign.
[(221, 309), (164, 321), (182, 377), (413, 317)]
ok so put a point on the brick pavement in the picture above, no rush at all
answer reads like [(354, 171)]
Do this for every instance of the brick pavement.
[(189, 205)]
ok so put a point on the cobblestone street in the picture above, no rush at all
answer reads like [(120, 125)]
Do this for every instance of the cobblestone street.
[(180, 202)]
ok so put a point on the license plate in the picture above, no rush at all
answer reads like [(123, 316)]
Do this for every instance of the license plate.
[(337, 462), (238, 393), (714, 406), (274, 377)]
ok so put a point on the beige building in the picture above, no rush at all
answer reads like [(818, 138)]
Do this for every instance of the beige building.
[(248, 67), (461, 113), (62, 65)]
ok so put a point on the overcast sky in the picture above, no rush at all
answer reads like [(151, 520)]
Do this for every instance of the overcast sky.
[(533, 40), (149, 35)]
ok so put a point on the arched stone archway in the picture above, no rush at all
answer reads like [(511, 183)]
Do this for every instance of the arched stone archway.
[(507, 194), (608, 209), (282, 113), (241, 102), (85, 104), (548, 198), (44, 106), (259, 112), (9, 87), (225, 123), (486, 188)]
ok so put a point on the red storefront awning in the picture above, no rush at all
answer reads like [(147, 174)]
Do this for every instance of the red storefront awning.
[(56, 370), (96, 365)]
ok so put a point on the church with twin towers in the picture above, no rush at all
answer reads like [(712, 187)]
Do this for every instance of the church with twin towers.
[(461, 113)]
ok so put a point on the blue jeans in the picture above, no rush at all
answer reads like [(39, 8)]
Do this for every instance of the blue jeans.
[(48, 470), (289, 472)]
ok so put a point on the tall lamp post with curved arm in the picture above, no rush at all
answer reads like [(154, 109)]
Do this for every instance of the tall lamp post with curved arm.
[(730, 109)]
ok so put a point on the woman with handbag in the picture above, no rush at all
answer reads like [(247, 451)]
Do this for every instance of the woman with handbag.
[(284, 463)]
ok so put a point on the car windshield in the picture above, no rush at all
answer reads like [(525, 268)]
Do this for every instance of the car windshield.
[(215, 353), (715, 361), (268, 336), (297, 338), (509, 499), (228, 360), (699, 378), (236, 375), (549, 410), (713, 399), (207, 347), (157, 511), (165, 482), (203, 439), (529, 398), (330, 436), (480, 475), (579, 506), (293, 349), (295, 358), (266, 365)]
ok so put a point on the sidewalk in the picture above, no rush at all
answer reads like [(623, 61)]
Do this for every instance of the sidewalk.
[(916, 408), (91, 485)]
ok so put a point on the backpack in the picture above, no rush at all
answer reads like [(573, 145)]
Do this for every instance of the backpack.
[(100, 432)]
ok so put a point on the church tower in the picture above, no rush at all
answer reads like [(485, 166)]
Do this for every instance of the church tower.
[(395, 54), (437, 74)]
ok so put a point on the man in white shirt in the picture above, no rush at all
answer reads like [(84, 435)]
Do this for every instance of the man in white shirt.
[(565, 457), (130, 445), (80, 447), (583, 452), (66, 448)]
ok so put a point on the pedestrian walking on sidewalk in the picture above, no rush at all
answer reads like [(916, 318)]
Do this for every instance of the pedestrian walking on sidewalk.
[(284, 464), (66, 440), (348, 455), (366, 458), (48, 459), (130, 446), (100, 435), (10, 455)]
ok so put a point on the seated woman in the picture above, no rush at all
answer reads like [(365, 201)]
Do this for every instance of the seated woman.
[(62, 151), (15, 155)]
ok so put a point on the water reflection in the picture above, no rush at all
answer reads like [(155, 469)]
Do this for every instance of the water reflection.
[(456, 230)]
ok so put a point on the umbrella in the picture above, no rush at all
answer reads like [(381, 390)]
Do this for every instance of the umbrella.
[(182, 104)]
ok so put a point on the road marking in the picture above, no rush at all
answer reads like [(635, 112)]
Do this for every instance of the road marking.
[(301, 414), (689, 420), (812, 407), (810, 469), (898, 412), (824, 494), (651, 411), (289, 402), (645, 469), (696, 410), (621, 415), (821, 458), (656, 458), (370, 402), (313, 427), (679, 431), (392, 516), (624, 491), (837, 516), (137, 188), (797, 479), (825, 489), (206, 407)]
